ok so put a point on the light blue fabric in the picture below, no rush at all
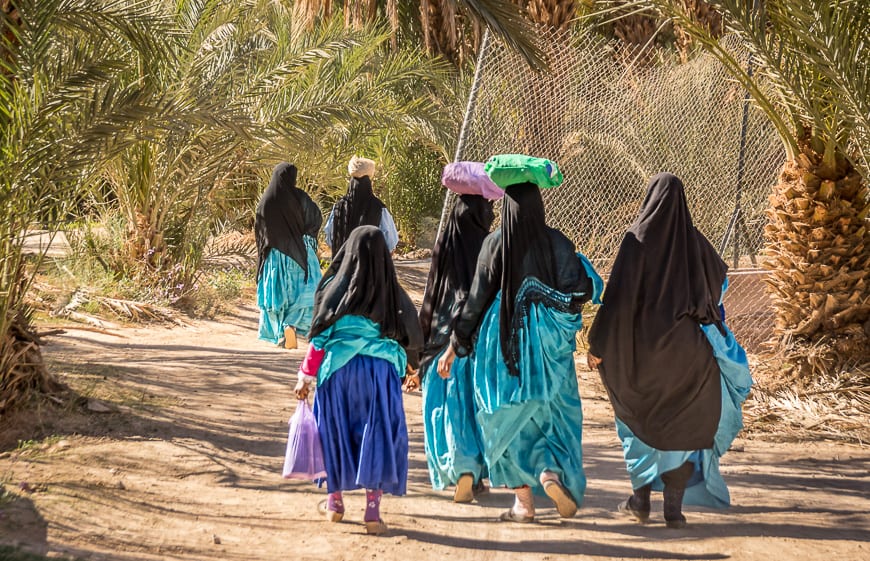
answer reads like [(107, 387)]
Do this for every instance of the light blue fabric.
[(532, 422), (387, 227), (706, 487), (597, 281), (351, 336), (451, 436), (283, 295)]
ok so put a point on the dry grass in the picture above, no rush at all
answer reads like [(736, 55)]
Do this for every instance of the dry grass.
[(788, 404)]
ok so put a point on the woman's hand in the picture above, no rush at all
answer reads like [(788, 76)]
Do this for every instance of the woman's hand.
[(446, 362), (412, 382), (592, 361)]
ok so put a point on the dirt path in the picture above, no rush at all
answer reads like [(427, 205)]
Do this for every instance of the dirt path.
[(187, 467)]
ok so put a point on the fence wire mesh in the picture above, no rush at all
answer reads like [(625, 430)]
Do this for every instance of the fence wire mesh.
[(611, 123)]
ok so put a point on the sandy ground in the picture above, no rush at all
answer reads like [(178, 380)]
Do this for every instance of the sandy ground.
[(186, 466)]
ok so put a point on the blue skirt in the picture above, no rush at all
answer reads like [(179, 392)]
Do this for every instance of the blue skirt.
[(362, 427), (283, 295), (452, 436)]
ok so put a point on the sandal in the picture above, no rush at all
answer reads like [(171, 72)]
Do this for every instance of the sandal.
[(511, 516), (626, 507), (676, 523), (464, 489), (565, 504), (375, 527)]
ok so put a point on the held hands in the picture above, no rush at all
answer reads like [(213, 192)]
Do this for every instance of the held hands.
[(412, 382), (446, 361), (592, 361)]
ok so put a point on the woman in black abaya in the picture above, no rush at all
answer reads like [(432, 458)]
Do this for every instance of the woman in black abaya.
[(288, 270), (359, 207), (674, 373)]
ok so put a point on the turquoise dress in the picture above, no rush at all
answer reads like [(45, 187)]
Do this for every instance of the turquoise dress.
[(706, 487), (532, 423), (452, 437), (284, 297)]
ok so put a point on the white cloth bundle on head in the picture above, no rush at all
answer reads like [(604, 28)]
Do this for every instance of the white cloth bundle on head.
[(359, 167)]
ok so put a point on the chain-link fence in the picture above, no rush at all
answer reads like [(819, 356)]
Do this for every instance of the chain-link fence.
[(611, 123)]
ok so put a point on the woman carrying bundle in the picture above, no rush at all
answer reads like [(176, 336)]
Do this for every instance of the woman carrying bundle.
[(454, 451), (523, 309)]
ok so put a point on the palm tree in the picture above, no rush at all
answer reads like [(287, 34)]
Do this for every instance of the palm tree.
[(246, 90), (812, 79), (450, 28), (65, 109)]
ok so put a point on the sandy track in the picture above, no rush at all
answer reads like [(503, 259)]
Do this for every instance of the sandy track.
[(192, 457)]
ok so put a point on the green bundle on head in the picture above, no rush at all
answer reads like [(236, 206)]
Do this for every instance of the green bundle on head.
[(509, 169)]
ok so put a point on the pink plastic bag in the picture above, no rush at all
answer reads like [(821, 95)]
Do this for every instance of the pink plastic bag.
[(304, 457)]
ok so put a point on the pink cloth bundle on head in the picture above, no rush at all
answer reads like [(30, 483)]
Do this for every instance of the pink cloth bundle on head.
[(468, 178)]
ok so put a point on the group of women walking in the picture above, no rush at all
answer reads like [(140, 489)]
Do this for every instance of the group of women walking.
[(493, 349)]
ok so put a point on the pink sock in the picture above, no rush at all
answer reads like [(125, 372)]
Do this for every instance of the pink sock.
[(334, 502), (373, 505)]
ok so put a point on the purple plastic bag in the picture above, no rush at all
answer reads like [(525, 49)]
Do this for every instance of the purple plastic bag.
[(304, 457), (468, 178)]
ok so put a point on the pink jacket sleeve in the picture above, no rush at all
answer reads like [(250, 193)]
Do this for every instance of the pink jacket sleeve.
[(311, 362)]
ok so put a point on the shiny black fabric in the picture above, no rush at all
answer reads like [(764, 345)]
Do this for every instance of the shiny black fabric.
[(361, 281), (657, 365), (284, 214), (454, 259), (359, 207), (523, 247)]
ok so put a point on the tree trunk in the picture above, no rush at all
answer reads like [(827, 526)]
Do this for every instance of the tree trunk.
[(818, 246)]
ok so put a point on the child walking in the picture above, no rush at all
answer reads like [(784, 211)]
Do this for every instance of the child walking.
[(364, 333)]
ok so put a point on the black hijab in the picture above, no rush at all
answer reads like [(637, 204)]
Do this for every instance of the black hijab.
[(362, 281), (454, 260), (657, 365), (359, 207), (527, 250), (284, 214)]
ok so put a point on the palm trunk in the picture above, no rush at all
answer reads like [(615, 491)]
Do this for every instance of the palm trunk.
[(819, 249)]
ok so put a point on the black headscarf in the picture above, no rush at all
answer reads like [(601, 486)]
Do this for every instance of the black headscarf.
[(359, 207), (362, 281), (527, 250), (454, 260), (284, 214), (657, 365)]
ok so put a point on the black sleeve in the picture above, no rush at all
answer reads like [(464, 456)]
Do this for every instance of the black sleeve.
[(413, 345), (313, 216), (484, 287)]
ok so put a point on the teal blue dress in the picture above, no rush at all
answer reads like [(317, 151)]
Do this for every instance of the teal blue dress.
[(706, 487), (284, 297), (452, 437), (532, 423)]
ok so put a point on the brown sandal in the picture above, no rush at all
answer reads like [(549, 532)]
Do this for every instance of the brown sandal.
[(511, 516)]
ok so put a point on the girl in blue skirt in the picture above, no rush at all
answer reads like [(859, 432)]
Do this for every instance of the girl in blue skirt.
[(288, 269), (675, 375), (364, 333)]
